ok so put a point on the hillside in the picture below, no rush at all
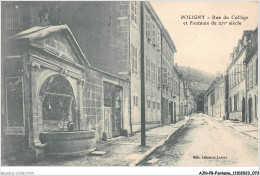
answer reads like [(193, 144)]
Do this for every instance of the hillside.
[(199, 82)]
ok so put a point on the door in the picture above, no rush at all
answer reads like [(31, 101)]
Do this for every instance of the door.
[(174, 113), (107, 121), (171, 111), (250, 110), (243, 109), (113, 109)]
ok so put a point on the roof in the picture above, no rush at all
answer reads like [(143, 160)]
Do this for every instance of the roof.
[(164, 31), (169, 40), (214, 83), (37, 32), (236, 49)]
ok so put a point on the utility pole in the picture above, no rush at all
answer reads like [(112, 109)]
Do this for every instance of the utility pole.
[(142, 77)]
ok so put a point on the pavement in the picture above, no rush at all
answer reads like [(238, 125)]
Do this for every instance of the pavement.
[(127, 151), (120, 151), (250, 130), (205, 141)]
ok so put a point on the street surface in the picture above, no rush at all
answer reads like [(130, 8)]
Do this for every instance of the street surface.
[(205, 142)]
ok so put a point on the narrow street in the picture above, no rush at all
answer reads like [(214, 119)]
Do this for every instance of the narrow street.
[(205, 142)]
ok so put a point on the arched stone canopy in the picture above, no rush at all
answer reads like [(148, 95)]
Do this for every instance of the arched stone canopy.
[(58, 100)]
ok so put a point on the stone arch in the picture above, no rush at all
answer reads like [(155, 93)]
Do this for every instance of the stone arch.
[(48, 73), (58, 101)]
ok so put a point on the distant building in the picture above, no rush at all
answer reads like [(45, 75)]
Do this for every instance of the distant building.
[(237, 84), (235, 95), (251, 62), (214, 99)]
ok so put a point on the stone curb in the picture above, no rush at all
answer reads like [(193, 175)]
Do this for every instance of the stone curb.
[(159, 144), (248, 134), (242, 132)]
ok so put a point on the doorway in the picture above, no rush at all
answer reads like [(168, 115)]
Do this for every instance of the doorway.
[(171, 111), (250, 110), (174, 113), (243, 109), (112, 109)]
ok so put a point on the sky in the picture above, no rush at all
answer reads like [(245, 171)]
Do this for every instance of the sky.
[(205, 47)]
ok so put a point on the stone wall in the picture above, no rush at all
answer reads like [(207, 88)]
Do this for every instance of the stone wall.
[(93, 101)]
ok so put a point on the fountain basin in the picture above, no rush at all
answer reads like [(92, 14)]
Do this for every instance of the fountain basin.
[(63, 142)]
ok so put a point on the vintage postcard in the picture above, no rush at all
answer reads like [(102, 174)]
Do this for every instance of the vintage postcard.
[(139, 84)]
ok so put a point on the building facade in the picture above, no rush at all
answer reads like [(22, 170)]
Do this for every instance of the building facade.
[(235, 95), (67, 71), (49, 88), (251, 62)]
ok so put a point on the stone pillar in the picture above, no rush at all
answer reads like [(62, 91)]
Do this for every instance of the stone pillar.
[(35, 104), (81, 83)]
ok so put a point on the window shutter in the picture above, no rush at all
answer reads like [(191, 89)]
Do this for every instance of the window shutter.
[(154, 33), (165, 76), (147, 77), (247, 76), (159, 77), (132, 56), (252, 75), (254, 72), (158, 39), (138, 12), (148, 26), (135, 59)]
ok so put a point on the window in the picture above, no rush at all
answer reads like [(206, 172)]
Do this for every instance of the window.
[(154, 105), (13, 18), (148, 103), (148, 26), (235, 102), (165, 76), (230, 106), (15, 106), (134, 59), (231, 80), (154, 33), (235, 76), (158, 105), (153, 73), (158, 39), (135, 101), (134, 11), (241, 72), (251, 75), (254, 72), (171, 84), (148, 69), (159, 77), (247, 75)]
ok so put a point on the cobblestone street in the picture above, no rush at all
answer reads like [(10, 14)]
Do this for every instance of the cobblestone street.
[(120, 151), (207, 142)]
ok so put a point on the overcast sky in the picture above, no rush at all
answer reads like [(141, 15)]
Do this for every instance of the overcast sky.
[(205, 47)]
